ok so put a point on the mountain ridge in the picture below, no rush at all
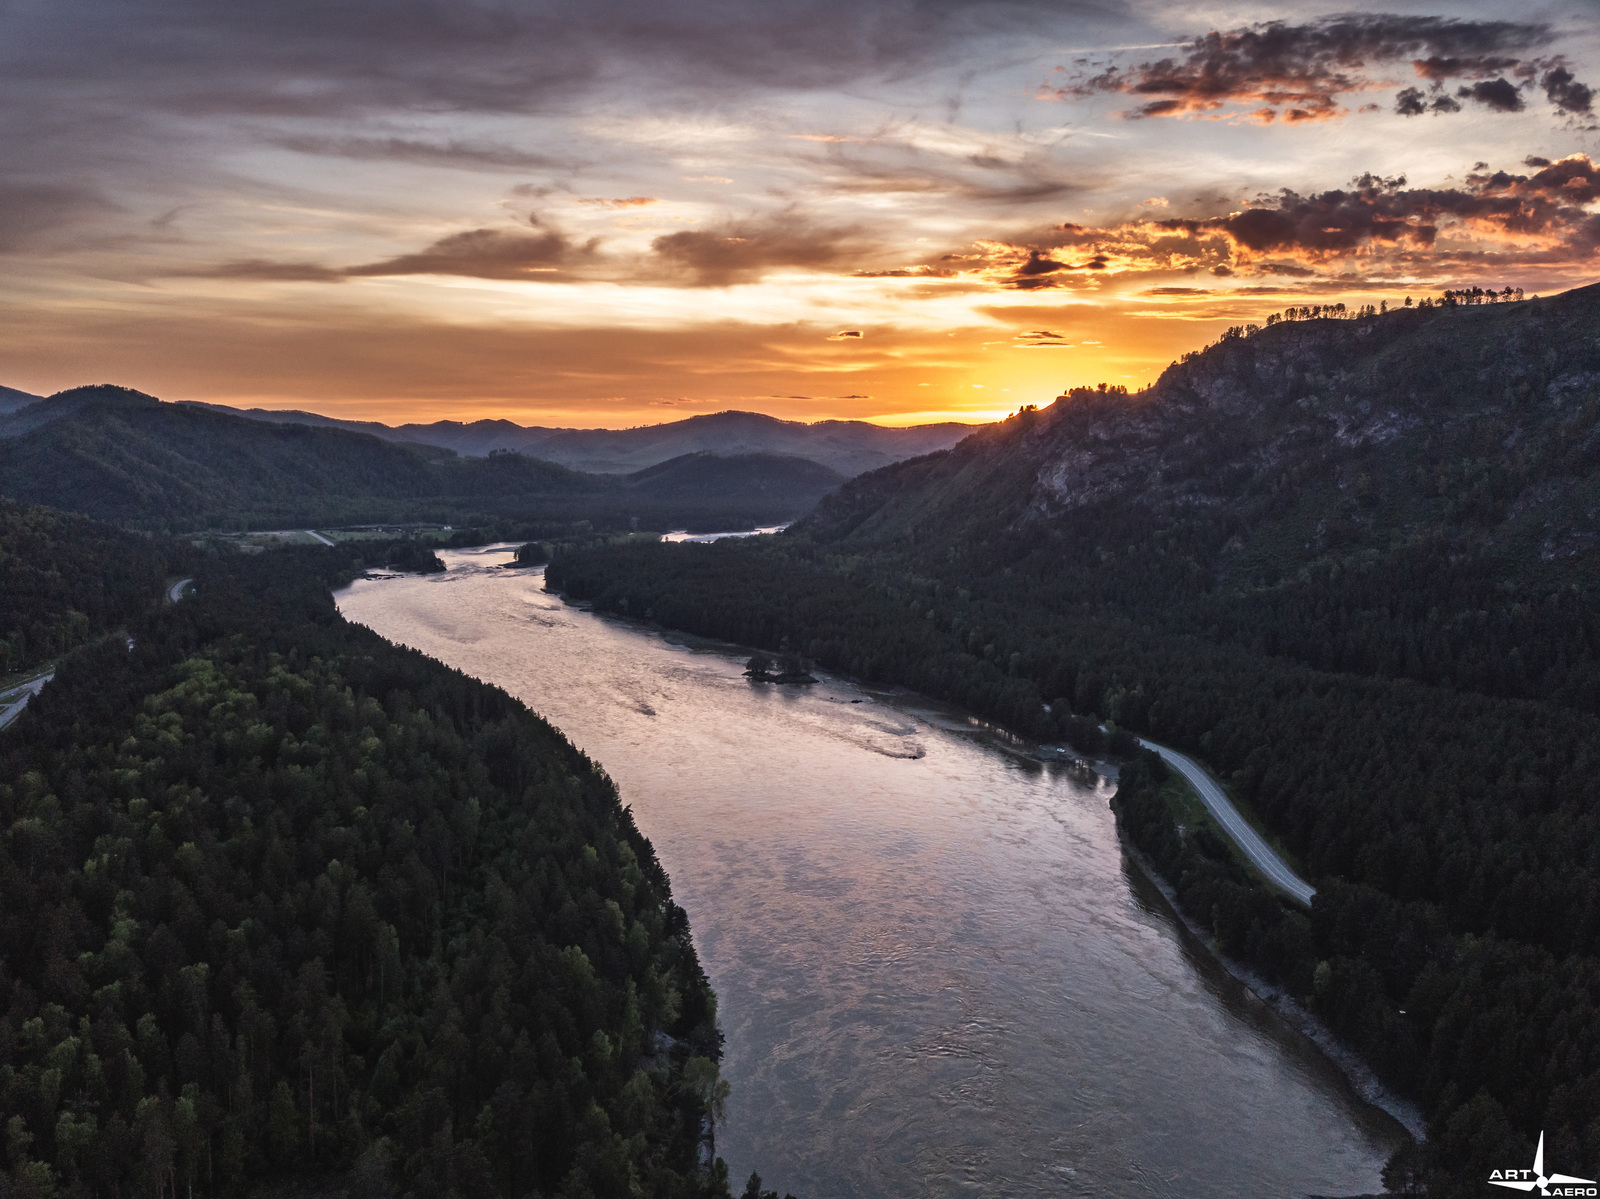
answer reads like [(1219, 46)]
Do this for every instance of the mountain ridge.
[(1290, 449), (120, 455), (847, 446)]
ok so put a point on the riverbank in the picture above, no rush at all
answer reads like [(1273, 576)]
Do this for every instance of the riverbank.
[(1287, 1008)]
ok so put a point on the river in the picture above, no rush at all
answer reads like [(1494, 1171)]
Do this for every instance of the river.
[(938, 973)]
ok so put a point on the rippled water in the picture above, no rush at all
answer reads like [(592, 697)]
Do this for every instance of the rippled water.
[(938, 975)]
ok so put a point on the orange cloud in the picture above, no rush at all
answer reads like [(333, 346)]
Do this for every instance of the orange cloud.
[(1381, 225)]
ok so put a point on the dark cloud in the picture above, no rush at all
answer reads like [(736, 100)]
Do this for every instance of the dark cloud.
[(475, 253), (1383, 213), (740, 252), (486, 254), (1303, 72), (1566, 93), (294, 57), (845, 335), (744, 252), (1413, 102), (460, 154), (1042, 339), (1378, 226), (1541, 217), (1040, 264), (1499, 94)]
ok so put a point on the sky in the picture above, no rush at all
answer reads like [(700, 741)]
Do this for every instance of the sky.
[(621, 212)]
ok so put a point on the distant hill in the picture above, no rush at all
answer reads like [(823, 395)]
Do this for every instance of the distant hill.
[(123, 456), (11, 400), (847, 446)]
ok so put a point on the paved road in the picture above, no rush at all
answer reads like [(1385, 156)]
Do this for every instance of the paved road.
[(11, 707), (1261, 855), (175, 592), (318, 536)]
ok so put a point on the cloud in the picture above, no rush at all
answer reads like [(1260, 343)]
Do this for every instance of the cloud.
[(462, 155), (739, 252), (30, 213), (1042, 339), (1565, 92), (1540, 215), (1381, 227), (845, 335), (358, 56), (1300, 73), (272, 272), (1413, 102), (485, 254), (742, 252), (475, 253), (624, 202), (1498, 94)]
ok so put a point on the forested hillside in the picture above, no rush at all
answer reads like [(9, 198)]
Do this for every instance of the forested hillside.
[(1407, 495), (64, 579), (1350, 563), (130, 459), (283, 905)]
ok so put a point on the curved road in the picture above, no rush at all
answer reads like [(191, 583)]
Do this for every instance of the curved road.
[(16, 700), (1262, 856)]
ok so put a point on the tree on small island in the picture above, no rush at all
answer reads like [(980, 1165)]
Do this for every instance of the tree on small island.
[(789, 668)]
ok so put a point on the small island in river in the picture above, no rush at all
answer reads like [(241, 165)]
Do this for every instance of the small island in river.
[(789, 667)]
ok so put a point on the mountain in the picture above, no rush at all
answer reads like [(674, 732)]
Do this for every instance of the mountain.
[(1376, 495), (846, 446), (123, 456), (11, 400)]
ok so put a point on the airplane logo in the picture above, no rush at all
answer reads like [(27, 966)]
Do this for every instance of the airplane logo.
[(1529, 1180)]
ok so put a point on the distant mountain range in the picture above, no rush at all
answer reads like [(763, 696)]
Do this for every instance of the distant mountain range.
[(123, 456), (847, 446)]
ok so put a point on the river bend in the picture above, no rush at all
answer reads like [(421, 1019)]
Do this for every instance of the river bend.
[(937, 972)]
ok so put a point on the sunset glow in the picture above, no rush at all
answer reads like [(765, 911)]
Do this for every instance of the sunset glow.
[(624, 213)]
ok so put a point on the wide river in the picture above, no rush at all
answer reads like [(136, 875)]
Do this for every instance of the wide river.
[(937, 971)]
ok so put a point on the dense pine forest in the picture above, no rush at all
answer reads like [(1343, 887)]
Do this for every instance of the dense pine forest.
[(1348, 562), (64, 579), (282, 905)]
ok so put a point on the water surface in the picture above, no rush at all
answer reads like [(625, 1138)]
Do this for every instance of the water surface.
[(937, 973)]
